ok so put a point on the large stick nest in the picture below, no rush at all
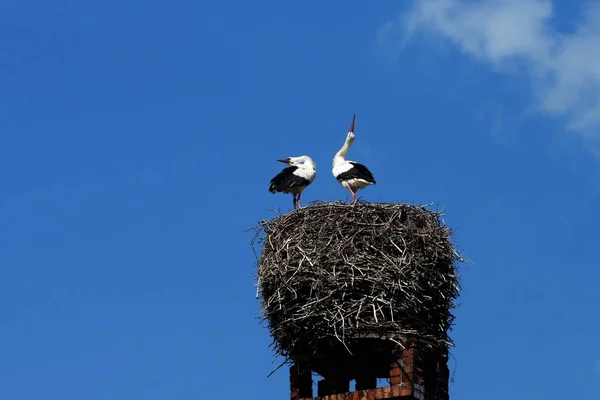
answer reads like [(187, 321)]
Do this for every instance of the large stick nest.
[(332, 274)]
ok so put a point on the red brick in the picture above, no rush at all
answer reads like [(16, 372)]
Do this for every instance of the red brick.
[(387, 392), (395, 380), (378, 393), (408, 356)]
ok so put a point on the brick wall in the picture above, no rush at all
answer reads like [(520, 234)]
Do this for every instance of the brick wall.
[(415, 373)]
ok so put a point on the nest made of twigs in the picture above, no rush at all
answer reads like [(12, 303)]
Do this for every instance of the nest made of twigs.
[(333, 275)]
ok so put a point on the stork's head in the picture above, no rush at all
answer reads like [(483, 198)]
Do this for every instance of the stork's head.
[(350, 136), (295, 161)]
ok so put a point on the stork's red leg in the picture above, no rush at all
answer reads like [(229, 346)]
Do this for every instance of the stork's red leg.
[(294, 201), (299, 194), (351, 193)]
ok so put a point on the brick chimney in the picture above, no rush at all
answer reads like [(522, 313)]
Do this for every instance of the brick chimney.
[(415, 372)]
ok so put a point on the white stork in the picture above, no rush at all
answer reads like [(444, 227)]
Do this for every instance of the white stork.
[(295, 178), (350, 174)]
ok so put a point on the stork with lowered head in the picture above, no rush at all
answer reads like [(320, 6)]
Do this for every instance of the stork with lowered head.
[(295, 178)]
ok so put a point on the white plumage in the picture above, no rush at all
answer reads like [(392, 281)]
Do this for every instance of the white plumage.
[(295, 178), (351, 175)]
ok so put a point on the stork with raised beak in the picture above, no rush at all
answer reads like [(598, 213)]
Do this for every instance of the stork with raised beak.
[(350, 174)]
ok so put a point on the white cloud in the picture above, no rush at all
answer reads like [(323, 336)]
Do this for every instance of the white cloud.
[(511, 34)]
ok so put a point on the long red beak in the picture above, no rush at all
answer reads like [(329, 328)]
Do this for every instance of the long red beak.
[(352, 126), (286, 161)]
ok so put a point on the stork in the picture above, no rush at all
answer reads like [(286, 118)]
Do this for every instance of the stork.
[(350, 174), (295, 178)]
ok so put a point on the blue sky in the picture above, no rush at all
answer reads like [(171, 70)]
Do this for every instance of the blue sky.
[(137, 140)]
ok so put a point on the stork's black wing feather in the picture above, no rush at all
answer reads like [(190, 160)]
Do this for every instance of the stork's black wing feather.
[(358, 171), (286, 179)]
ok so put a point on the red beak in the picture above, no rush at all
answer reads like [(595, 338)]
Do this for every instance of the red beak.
[(286, 161), (352, 126)]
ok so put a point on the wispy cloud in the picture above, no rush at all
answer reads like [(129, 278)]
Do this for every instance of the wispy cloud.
[(518, 36)]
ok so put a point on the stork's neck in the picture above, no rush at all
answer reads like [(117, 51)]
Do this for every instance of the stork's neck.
[(340, 155), (308, 163)]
